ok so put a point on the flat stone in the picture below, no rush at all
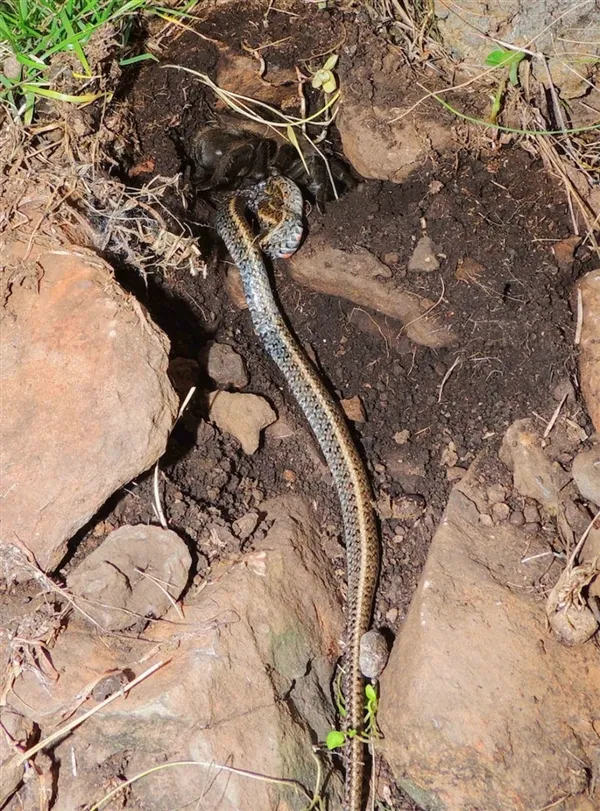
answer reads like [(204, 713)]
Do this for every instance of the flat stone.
[(127, 576), (87, 404), (360, 277), (246, 683), (467, 690)]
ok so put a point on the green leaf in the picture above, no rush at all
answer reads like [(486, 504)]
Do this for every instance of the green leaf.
[(498, 57), (335, 739), (131, 60), (502, 57), (331, 62), (370, 692), (513, 74)]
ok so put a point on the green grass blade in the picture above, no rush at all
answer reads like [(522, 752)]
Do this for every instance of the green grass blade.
[(132, 60)]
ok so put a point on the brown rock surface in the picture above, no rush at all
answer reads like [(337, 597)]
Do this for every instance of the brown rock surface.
[(242, 415), (361, 278), (126, 577), (382, 148), (589, 358), (247, 684), (87, 404), (481, 707)]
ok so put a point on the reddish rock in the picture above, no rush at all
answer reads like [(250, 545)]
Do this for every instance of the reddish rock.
[(87, 404), (240, 73), (354, 409), (242, 415), (247, 684), (360, 277), (382, 145), (476, 681)]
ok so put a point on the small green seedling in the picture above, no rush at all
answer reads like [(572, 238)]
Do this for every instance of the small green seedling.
[(371, 729), (324, 78), (501, 57), (337, 738)]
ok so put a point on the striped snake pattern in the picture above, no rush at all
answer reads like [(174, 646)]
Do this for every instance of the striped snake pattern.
[(278, 206)]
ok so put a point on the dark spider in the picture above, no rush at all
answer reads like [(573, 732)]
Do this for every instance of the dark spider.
[(231, 157)]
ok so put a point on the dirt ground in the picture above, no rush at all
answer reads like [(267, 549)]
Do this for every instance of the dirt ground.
[(496, 212), (498, 209)]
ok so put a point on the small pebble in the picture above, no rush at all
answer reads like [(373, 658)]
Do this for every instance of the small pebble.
[(401, 437), (391, 615), (224, 366), (500, 511), (374, 654), (108, 685), (353, 409), (496, 493), (531, 527), (289, 476), (486, 520), (245, 526), (517, 519), (424, 256), (531, 514), (455, 474)]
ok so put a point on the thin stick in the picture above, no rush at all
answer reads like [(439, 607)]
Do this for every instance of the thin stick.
[(446, 377), (579, 317), (554, 417), (157, 502), (77, 721)]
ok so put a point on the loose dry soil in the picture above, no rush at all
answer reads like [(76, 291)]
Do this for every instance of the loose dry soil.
[(499, 209)]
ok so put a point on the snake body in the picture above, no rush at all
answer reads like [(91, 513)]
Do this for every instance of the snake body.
[(278, 206)]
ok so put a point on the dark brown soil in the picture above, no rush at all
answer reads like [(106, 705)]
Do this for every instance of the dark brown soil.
[(500, 210)]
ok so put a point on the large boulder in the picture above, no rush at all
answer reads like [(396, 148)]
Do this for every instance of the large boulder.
[(86, 401)]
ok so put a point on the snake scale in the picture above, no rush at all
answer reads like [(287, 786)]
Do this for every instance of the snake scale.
[(278, 206)]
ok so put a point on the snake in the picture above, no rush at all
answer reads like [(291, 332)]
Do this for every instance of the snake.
[(278, 206)]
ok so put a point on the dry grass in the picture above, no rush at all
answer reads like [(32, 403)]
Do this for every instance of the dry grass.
[(531, 112), (42, 173)]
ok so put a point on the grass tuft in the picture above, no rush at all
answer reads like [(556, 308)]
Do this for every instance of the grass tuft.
[(34, 32)]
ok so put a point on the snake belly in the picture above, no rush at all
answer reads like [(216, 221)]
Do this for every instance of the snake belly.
[(278, 202)]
